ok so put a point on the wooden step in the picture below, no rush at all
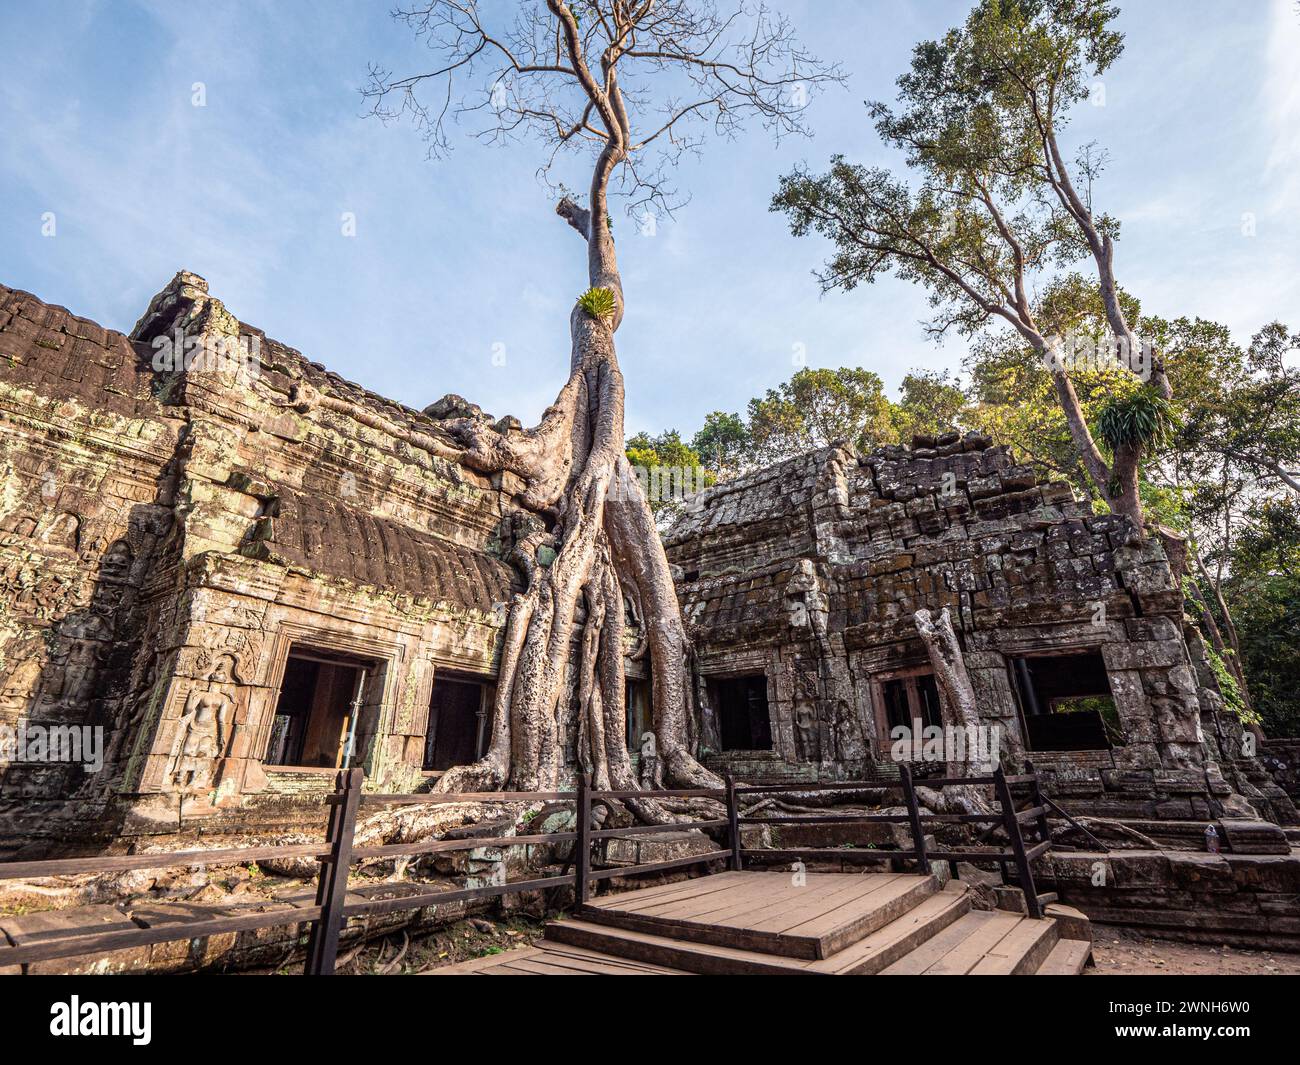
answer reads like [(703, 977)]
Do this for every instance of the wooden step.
[(928, 953), (1021, 951), (868, 955), (550, 959), (985, 942), (900, 937), (1067, 958), (704, 958), (770, 914)]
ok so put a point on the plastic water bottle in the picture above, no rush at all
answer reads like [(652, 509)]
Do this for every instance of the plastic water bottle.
[(1211, 840)]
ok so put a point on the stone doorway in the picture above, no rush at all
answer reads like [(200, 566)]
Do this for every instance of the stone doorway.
[(640, 720), (743, 715), (459, 722), (315, 722)]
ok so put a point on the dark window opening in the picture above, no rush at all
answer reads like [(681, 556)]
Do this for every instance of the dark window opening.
[(742, 713), (639, 718), (1067, 703), (909, 699), (458, 723), (314, 714)]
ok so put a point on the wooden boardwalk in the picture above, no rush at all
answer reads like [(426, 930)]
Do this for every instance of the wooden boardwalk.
[(554, 959), (757, 923)]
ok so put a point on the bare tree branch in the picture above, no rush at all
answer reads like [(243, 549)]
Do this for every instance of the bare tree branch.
[(591, 74)]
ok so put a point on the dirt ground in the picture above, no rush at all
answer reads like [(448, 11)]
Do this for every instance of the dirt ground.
[(397, 955), (1119, 952)]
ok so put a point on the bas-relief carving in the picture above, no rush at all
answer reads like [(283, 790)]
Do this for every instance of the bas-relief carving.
[(805, 732), (68, 678), (33, 592), (63, 532), (204, 731), (22, 680)]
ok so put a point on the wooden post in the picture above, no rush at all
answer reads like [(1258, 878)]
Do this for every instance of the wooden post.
[(914, 817), (1012, 825), (332, 883), (1036, 797), (733, 824), (582, 859)]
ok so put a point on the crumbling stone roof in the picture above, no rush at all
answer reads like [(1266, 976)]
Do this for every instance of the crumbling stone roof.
[(324, 535), (282, 366), (54, 352), (950, 522)]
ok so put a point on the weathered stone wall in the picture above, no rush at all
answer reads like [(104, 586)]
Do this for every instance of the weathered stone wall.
[(811, 572), (1242, 899)]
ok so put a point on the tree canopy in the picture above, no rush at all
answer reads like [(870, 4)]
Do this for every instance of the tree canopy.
[(991, 216)]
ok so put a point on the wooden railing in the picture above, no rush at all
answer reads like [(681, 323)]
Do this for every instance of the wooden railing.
[(1017, 853), (337, 853)]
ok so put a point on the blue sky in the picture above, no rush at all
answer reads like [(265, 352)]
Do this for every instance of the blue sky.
[(456, 259)]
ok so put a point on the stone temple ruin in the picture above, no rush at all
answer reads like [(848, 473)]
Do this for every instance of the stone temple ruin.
[(801, 583), (247, 572)]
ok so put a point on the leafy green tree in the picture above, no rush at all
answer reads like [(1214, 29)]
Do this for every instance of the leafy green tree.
[(998, 212), (723, 443), (1264, 590), (669, 470), (1248, 411), (929, 402), (817, 407), (1014, 391)]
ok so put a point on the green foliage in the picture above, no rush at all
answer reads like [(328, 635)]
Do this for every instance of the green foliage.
[(1013, 395), (669, 469), (723, 442), (929, 403), (666, 449), (1228, 687), (817, 407), (1143, 418), (600, 303), (1101, 705), (1243, 407), (1263, 593), (1166, 504)]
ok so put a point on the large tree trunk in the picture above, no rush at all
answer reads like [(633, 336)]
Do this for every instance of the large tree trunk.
[(606, 545), (963, 712), (1117, 482), (950, 672)]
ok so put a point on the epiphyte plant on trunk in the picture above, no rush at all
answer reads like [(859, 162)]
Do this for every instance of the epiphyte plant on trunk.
[(629, 85)]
